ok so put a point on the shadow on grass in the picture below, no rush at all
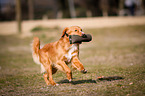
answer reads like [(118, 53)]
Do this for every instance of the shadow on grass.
[(109, 78), (78, 81)]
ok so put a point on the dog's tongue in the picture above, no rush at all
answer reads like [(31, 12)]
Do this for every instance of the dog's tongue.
[(79, 39)]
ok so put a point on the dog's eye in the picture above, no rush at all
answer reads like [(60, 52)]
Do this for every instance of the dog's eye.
[(76, 30)]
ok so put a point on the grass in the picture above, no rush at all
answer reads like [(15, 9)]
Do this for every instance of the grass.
[(118, 51), (42, 28)]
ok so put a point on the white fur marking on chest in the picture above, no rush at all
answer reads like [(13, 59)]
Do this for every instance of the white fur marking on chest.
[(70, 53)]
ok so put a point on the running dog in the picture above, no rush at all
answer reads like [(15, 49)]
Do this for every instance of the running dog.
[(57, 55)]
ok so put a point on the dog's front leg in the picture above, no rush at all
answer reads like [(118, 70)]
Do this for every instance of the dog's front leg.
[(78, 65), (66, 69)]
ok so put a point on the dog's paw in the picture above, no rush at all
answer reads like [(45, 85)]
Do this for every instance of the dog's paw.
[(56, 84), (84, 71), (70, 80)]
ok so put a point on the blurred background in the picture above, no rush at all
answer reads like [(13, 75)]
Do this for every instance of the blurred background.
[(117, 48), (55, 9), (59, 13)]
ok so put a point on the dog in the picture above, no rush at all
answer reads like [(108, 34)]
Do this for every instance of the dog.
[(57, 55)]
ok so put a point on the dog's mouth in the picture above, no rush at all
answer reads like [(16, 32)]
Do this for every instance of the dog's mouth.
[(76, 39)]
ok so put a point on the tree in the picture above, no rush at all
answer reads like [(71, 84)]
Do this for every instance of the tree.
[(104, 4), (72, 9), (18, 15), (31, 9), (121, 6)]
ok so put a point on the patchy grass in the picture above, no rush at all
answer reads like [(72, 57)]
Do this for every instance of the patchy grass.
[(118, 51), (42, 28)]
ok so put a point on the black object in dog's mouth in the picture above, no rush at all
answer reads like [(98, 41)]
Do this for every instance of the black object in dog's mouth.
[(79, 39)]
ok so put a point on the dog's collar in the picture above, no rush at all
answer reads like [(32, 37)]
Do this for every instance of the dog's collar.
[(65, 34)]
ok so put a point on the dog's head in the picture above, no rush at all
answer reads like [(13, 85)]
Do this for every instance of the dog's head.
[(73, 30)]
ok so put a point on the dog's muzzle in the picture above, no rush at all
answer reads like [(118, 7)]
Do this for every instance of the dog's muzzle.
[(79, 39)]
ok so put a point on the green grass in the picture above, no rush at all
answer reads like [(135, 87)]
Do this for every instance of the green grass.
[(42, 28), (118, 51)]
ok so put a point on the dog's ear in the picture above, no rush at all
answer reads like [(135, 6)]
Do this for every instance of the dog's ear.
[(64, 32)]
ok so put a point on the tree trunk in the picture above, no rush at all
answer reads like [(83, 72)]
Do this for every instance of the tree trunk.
[(104, 6), (121, 5), (18, 15), (31, 9), (72, 9)]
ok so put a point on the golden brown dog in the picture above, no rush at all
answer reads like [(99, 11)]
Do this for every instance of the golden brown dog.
[(57, 55)]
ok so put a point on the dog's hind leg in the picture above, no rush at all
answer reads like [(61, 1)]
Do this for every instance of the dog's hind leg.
[(49, 74), (48, 82), (48, 67), (46, 75), (45, 78), (63, 67)]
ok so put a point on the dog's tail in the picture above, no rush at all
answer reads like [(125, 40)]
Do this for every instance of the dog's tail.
[(35, 50)]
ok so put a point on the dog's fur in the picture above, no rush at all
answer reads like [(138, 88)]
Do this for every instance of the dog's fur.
[(57, 55)]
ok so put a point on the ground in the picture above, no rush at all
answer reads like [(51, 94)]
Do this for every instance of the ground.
[(115, 51)]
